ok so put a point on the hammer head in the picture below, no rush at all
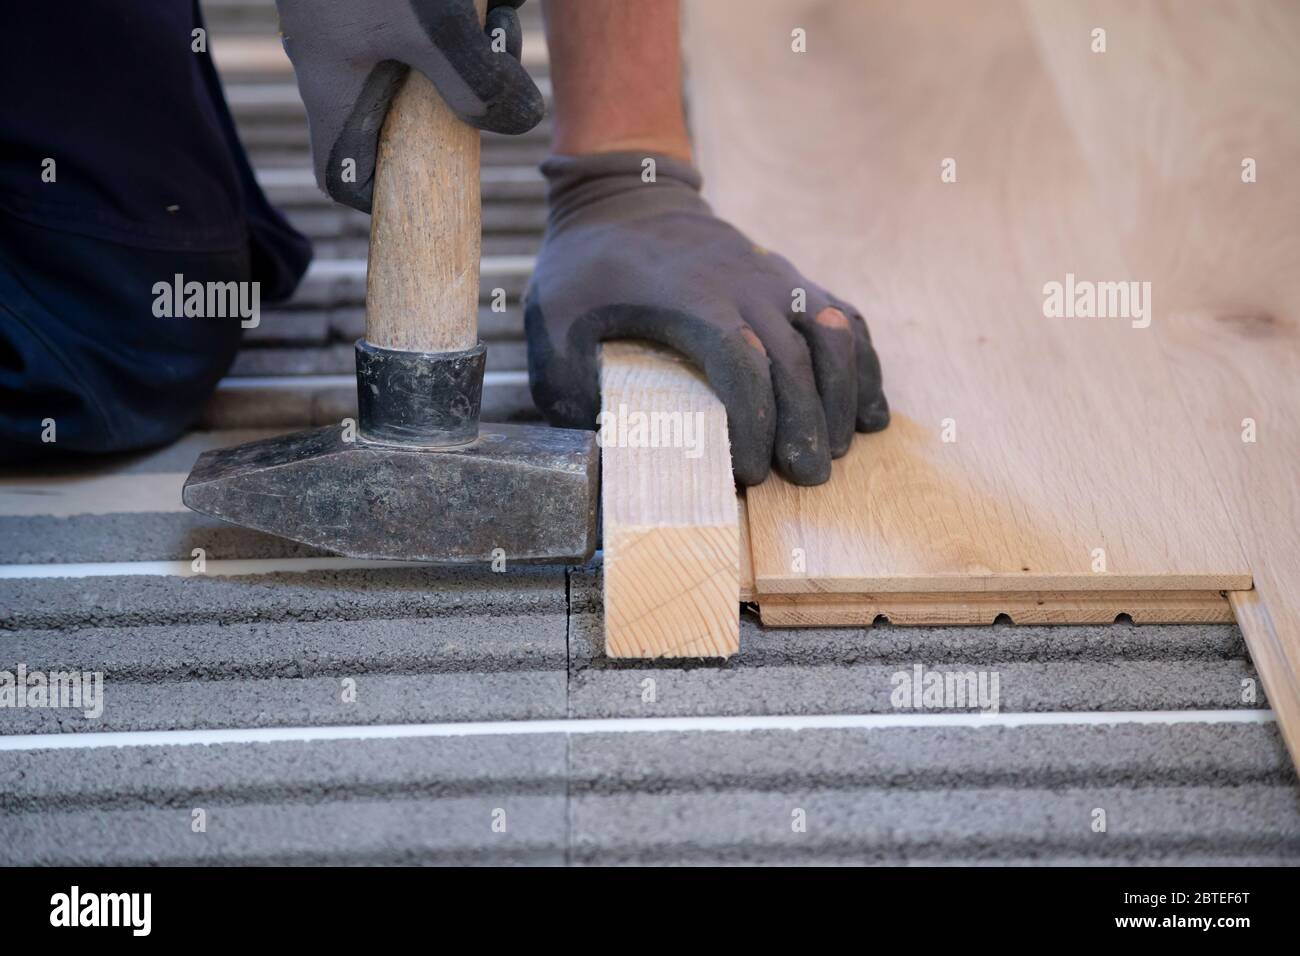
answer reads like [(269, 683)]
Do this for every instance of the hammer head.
[(523, 491)]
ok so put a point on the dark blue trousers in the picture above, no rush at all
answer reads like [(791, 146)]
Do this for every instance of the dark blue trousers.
[(119, 169)]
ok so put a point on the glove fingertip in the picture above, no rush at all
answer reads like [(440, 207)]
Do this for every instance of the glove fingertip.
[(873, 407), (749, 465), (874, 416), (739, 375), (801, 465), (515, 113)]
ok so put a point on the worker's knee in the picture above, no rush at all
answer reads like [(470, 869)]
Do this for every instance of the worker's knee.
[(94, 354)]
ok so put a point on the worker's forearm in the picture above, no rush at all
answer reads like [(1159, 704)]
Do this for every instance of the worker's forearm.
[(617, 74)]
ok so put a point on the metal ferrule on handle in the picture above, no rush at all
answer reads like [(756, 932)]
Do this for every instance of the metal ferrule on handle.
[(430, 399)]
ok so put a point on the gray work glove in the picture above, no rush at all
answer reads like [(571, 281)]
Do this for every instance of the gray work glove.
[(351, 56), (624, 258)]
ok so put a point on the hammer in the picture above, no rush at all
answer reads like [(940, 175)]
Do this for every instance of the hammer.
[(418, 478)]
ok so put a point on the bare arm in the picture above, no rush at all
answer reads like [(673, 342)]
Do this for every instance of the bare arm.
[(616, 67)]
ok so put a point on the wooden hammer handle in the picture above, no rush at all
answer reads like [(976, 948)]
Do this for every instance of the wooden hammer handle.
[(425, 226)]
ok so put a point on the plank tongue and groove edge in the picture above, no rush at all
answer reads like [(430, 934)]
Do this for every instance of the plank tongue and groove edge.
[(1028, 607), (671, 526)]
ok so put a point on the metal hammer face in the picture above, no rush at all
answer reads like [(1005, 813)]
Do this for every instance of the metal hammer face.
[(529, 491), (421, 481)]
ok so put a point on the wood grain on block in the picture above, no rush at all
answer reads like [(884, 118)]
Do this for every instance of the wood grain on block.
[(425, 230), (1028, 451), (1025, 607), (670, 521)]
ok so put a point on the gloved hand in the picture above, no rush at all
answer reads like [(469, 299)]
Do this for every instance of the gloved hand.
[(351, 56), (625, 258)]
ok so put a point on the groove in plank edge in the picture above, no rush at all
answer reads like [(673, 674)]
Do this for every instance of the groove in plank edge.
[(976, 608)]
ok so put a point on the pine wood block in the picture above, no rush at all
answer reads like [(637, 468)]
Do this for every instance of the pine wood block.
[(671, 525)]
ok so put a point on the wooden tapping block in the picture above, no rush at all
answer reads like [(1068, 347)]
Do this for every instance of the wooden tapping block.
[(671, 524)]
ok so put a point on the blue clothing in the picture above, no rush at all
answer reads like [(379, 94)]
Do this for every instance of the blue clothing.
[(149, 181)]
